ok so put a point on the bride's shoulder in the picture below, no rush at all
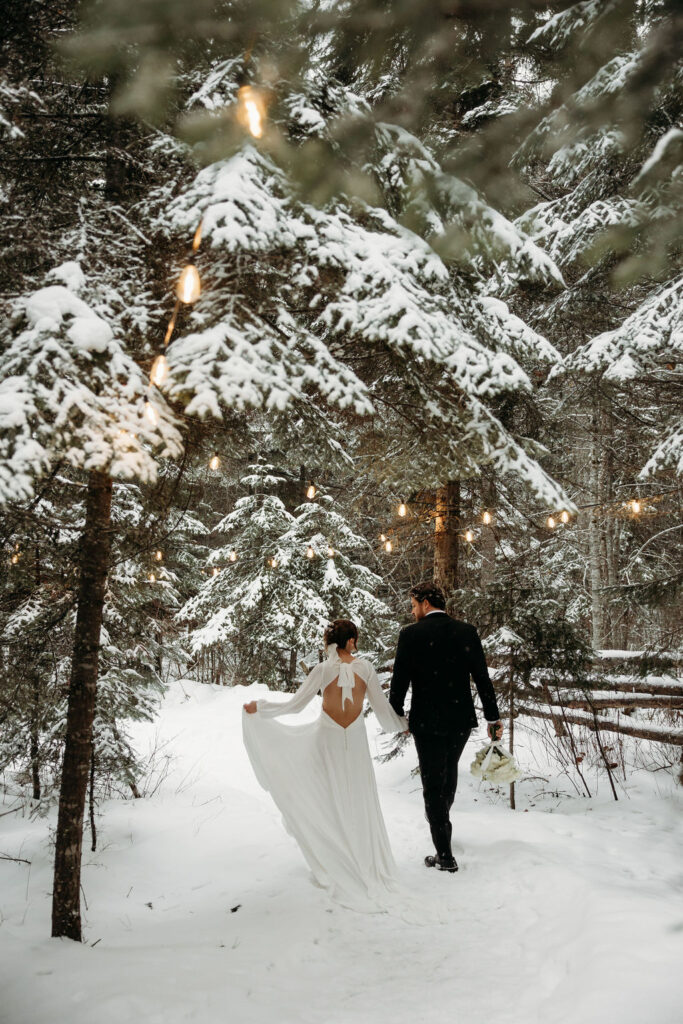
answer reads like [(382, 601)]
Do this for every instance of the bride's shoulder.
[(362, 666)]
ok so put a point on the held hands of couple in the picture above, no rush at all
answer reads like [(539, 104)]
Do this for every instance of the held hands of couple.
[(495, 730), (250, 708)]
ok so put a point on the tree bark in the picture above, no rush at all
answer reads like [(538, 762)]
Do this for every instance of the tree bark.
[(446, 536), (511, 729), (487, 542), (96, 544)]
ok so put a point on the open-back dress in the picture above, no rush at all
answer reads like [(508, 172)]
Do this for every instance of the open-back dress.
[(321, 777)]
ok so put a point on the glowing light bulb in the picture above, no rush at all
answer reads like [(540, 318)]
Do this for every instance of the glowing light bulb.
[(159, 371), (564, 516), (388, 546), (382, 537), (550, 523), (233, 556), (214, 462), (151, 414), (197, 240), (215, 571), (330, 552), (635, 506), (15, 559), (311, 492), (310, 553), (469, 536), (486, 518), (251, 110), (402, 509), (189, 286), (158, 555), (274, 563), (152, 578)]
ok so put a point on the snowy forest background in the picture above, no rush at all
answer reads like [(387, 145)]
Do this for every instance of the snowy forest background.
[(438, 334)]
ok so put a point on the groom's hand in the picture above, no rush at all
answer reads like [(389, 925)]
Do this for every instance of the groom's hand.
[(495, 730), (250, 708)]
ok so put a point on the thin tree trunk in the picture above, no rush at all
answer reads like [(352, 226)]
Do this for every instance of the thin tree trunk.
[(487, 542), (35, 738), (511, 728), (446, 536), (93, 831), (594, 544), (96, 544)]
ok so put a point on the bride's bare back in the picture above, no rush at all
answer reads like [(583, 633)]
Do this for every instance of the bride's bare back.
[(332, 701)]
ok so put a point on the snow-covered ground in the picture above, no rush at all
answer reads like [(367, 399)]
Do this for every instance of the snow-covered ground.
[(200, 907)]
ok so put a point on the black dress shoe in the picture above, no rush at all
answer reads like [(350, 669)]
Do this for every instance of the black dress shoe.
[(442, 863)]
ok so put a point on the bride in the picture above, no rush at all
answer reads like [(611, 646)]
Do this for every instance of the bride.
[(320, 775)]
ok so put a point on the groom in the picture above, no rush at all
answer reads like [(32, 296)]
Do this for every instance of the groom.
[(437, 655)]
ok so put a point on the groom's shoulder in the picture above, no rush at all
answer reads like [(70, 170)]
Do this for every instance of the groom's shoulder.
[(462, 628)]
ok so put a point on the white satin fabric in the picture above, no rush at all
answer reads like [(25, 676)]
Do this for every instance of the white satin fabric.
[(321, 778)]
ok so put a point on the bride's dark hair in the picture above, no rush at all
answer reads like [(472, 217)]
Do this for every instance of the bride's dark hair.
[(340, 632)]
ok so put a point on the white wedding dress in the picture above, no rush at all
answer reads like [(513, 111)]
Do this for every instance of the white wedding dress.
[(321, 777)]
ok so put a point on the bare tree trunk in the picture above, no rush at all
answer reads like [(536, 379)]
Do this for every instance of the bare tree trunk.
[(511, 727), (595, 547), (35, 738), (96, 544), (487, 543), (446, 536)]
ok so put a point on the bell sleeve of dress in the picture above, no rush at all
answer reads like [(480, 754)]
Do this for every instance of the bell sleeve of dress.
[(400, 680), (386, 716), (303, 696)]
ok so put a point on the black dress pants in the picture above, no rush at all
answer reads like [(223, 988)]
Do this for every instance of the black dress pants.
[(438, 758)]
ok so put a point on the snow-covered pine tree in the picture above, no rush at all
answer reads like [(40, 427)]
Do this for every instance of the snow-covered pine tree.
[(276, 581), (605, 156)]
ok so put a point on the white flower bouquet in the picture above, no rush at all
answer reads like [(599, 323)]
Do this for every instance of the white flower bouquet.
[(493, 763)]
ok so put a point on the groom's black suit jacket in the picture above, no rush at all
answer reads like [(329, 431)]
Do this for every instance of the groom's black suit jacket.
[(437, 655)]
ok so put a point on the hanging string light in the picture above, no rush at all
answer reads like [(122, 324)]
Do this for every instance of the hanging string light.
[(232, 557), (215, 571), (151, 413), (214, 462), (15, 558), (402, 509), (564, 516), (310, 553), (388, 546), (330, 552), (382, 537), (152, 578), (188, 288), (550, 523), (635, 506), (159, 371), (158, 555), (311, 492), (486, 518), (273, 563), (251, 110), (469, 536)]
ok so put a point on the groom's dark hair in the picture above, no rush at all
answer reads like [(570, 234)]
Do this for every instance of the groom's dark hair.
[(429, 592)]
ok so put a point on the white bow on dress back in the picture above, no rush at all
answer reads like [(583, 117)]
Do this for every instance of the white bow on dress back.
[(346, 680)]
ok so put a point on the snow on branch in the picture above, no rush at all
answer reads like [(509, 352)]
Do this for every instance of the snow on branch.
[(68, 390)]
